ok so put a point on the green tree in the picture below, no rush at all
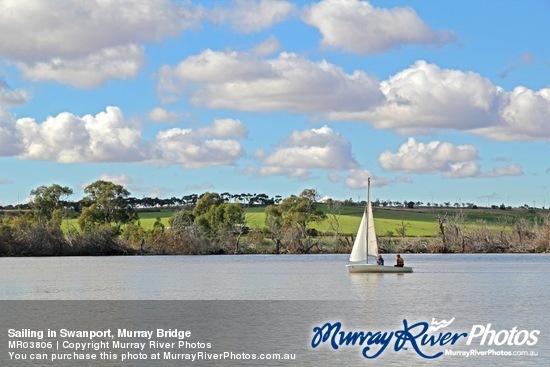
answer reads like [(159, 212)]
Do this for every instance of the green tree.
[(207, 201), (219, 219), (301, 210), (297, 213), (231, 221), (106, 203), (47, 203), (182, 220), (274, 223)]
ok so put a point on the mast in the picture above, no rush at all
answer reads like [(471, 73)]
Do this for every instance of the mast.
[(368, 208)]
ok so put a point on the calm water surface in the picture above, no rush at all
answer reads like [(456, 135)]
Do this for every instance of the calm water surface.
[(504, 290), (480, 279)]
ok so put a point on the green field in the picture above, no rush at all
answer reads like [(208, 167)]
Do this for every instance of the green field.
[(385, 220), (418, 222)]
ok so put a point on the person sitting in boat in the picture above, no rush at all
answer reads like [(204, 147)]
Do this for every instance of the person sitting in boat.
[(380, 260), (400, 261)]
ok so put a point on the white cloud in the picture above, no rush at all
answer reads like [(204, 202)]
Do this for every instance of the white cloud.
[(434, 156), (224, 128), (76, 29), (242, 81), (110, 137), (10, 97), (267, 47), (509, 170), (418, 100), (90, 71), (309, 149), (50, 39), (207, 146), (249, 16), (524, 116), (446, 158), (358, 179), (105, 137), (472, 169), (462, 170), (122, 179), (424, 98), (357, 26), (9, 144), (178, 147), (158, 114), (295, 173), (219, 67)]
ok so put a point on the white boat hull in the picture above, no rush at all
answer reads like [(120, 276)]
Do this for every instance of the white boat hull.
[(372, 268)]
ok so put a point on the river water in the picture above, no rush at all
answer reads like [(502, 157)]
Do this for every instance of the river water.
[(296, 293)]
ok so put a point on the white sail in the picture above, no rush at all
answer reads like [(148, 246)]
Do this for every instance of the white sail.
[(365, 242), (359, 249), (372, 242)]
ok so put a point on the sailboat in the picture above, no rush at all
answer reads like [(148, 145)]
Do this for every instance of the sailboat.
[(366, 246)]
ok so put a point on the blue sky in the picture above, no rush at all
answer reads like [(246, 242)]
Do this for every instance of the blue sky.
[(435, 100)]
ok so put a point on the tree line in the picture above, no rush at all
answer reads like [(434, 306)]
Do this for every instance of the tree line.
[(245, 199), (107, 223)]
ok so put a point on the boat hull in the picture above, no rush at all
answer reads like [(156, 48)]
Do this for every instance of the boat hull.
[(372, 268)]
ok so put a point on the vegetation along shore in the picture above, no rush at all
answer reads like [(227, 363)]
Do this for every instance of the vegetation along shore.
[(108, 221)]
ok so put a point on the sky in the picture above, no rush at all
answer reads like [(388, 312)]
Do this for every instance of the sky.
[(436, 101)]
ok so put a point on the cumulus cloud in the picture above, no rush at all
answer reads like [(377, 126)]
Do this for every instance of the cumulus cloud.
[(88, 36), (267, 47), (441, 157), (9, 144), (215, 145), (358, 179), (302, 151), (90, 71), (524, 116), (224, 128), (158, 114), (242, 81), (9, 97), (357, 26), (249, 16), (434, 156), (105, 137), (421, 99), (462, 170), (315, 148), (424, 98), (111, 137), (294, 173)]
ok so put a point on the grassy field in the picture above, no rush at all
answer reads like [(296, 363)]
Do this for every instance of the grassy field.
[(418, 222)]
